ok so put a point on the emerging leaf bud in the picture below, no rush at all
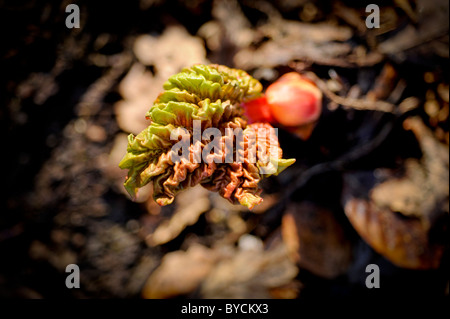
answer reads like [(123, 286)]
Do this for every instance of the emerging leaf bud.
[(295, 102)]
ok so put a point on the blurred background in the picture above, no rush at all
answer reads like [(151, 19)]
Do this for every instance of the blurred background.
[(370, 186)]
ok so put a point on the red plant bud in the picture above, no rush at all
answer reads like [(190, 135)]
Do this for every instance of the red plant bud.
[(294, 100), (257, 110)]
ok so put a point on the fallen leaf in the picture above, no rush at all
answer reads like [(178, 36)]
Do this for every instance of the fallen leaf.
[(180, 273), (139, 89), (424, 188), (315, 240), (321, 43), (190, 205), (404, 242), (164, 51), (250, 274), (402, 217)]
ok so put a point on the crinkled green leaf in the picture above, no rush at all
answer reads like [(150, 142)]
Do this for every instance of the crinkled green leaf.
[(211, 94), (275, 166), (176, 113), (177, 95)]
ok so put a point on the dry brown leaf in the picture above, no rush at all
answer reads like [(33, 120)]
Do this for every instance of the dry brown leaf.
[(396, 216), (274, 53), (190, 205), (234, 24), (179, 273), (164, 51), (224, 272), (411, 195), (250, 274), (321, 43), (424, 190), (403, 241), (139, 89), (319, 32), (425, 38), (315, 240)]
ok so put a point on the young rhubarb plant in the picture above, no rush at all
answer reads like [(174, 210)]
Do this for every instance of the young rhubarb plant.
[(204, 98)]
